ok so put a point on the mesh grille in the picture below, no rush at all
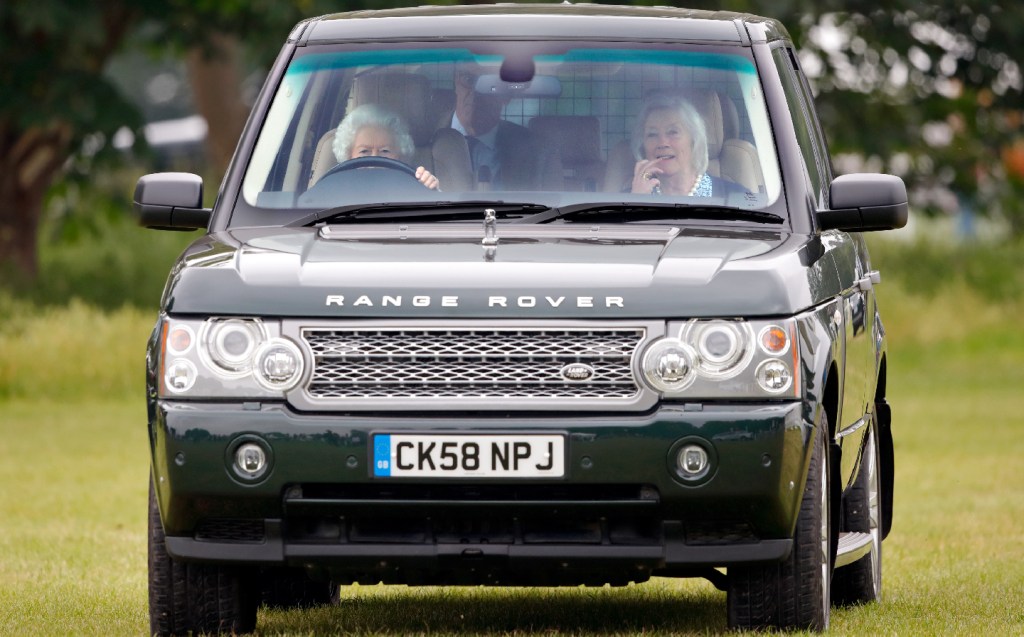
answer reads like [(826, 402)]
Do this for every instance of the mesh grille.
[(485, 363), (228, 530)]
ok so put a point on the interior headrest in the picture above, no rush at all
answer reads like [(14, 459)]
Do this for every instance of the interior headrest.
[(577, 137), (406, 94)]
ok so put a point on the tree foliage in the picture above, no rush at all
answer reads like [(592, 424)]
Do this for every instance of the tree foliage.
[(55, 97), (928, 89)]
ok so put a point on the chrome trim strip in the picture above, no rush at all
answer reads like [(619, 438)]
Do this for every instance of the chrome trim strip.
[(853, 428)]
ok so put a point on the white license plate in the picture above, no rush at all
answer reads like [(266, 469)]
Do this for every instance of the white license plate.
[(468, 456)]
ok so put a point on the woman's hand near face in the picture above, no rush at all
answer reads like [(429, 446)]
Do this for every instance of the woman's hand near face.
[(645, 176), (427, 178)]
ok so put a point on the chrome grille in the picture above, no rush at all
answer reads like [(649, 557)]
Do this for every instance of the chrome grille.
[(493, 363)]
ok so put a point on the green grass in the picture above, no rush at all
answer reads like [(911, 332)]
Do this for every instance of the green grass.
[(74, 473)]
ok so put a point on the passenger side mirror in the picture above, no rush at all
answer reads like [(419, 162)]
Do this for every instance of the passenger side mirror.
[(863, 202), (170, 201)]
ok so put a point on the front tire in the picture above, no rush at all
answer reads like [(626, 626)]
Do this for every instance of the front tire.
[(193, 598), (861, 582), (794, 593)]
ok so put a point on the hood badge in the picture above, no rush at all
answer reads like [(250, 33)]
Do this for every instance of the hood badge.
[(490, 240), (577, 372)]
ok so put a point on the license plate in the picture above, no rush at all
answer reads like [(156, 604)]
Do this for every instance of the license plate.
[(468, 456)]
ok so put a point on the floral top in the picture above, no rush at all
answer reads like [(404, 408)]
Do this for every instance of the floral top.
[(702, 187)]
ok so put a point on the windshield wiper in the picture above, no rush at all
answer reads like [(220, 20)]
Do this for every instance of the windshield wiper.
[(641, 211), (423, 210)]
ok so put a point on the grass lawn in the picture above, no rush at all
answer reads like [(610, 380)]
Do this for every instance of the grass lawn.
[(73, 514)]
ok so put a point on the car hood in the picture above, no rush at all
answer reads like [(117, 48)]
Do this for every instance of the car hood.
[(544, 271)]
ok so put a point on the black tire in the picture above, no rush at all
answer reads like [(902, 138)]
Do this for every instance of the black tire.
[(794, 593), (288, 588), (861, 582), (193, 598)]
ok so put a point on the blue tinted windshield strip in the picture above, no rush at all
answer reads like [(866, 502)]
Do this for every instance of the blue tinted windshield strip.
[(349, 59), (720, 61)]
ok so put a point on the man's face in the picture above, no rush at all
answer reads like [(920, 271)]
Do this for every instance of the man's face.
[(478, 113)]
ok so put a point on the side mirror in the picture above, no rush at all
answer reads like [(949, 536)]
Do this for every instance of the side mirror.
[(171, 201), (862, 202)]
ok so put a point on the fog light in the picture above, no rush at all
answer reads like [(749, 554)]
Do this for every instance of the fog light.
[(251, 460), (774, 376), (179, 376), (693, 461)]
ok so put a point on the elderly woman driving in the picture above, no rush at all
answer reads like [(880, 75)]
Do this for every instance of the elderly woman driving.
[(671, 145), (372, 131)]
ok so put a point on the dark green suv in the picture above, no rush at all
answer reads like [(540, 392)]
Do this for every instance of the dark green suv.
[(522, 295)]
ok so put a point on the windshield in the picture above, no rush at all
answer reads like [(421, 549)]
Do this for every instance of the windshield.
[(552, 124)]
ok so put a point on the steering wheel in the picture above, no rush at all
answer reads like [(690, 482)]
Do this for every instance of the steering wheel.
[(372, 162)]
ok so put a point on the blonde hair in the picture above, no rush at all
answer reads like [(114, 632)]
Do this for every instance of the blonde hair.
[(378, 117), (691, 119)]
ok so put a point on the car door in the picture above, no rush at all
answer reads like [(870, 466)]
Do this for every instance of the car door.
[(855, 312)]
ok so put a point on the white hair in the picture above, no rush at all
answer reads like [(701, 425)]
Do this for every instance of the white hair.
[(378, 117), (691, 119)]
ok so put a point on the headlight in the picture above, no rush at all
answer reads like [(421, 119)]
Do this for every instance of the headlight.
[(773, 376), (180, 376), (669, 365), (724, 359), (229, 344), (278, 365), (243, 358), (724, 347)]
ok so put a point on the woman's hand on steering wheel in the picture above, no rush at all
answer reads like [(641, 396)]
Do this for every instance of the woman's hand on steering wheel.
[(427, 178)]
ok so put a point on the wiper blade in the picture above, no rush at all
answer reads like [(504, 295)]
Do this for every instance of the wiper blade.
[(416, 210), (642, 211)]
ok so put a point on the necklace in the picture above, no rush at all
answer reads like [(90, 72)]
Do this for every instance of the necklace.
[(696, 184)]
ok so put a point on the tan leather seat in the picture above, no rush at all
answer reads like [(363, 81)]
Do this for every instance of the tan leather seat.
[(729, 157), (577, 142), (441, 151)]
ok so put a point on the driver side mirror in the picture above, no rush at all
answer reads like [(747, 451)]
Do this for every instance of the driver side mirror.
[(863, 202), (170, 201)]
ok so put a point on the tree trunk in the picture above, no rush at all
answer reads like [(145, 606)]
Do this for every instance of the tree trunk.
[(216, 80), (28, 163)]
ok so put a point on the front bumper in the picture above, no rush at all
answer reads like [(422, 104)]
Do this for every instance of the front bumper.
[(619, 512)]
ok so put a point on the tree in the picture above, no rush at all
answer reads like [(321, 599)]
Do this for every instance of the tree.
[(927, 89), (54, 94)]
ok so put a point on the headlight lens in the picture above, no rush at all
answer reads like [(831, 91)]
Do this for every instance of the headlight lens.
[(725, 347), (180, 376), (244, 358), (724, 359), (230, 343), (278, 364), (669, 365), (773, 376)]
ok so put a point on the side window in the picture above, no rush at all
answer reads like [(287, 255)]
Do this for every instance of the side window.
[(805, 123)]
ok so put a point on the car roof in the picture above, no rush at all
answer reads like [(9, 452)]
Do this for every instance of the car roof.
[(516, 21)]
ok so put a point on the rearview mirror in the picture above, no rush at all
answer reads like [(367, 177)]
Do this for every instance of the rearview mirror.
[(538, 86)]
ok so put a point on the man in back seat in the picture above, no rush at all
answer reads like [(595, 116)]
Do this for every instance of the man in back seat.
[(505, 156)]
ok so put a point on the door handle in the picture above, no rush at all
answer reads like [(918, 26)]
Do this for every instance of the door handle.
[(869, 281)]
